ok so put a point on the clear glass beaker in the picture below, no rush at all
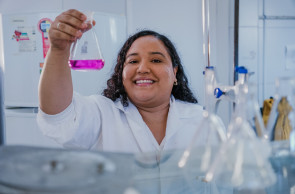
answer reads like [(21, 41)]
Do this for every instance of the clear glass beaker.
[(85, 52)]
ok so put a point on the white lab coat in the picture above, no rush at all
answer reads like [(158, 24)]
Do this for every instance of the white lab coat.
[(96, 122)]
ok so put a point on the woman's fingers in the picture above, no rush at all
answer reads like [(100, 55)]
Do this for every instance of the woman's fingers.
[(67, 27), (73, 18), (70, 22)]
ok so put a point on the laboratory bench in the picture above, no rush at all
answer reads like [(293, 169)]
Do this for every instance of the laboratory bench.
[(39, 170)]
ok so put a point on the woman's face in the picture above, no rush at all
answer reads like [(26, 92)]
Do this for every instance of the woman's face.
[(148, 74)]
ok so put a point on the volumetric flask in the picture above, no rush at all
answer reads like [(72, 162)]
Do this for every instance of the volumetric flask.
[(85, 52)]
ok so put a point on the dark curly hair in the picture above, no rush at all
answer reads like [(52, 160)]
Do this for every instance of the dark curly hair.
[(115, 88)]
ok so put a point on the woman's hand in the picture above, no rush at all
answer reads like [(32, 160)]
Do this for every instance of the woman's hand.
[(66, 28)]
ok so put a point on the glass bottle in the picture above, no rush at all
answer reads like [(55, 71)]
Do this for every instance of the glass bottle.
[(85, 52)]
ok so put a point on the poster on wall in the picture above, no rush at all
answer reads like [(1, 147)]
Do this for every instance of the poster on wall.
[(24, 35)]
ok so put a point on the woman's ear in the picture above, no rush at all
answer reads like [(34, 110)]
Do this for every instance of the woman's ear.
[(175, 69)]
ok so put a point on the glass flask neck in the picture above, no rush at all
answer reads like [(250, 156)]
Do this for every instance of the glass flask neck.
[(241, 101), (243, 78), (89, 15), (210, 83)]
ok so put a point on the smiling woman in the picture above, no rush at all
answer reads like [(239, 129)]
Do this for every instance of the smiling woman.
[(147, 105), (165, 53)]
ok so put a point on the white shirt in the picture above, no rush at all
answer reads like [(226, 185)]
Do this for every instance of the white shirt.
[(96, 122)]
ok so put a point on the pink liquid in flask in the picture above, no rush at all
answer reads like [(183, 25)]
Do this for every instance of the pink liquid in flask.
[(86, 64)]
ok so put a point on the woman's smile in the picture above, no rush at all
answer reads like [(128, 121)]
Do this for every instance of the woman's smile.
[(144, 82)]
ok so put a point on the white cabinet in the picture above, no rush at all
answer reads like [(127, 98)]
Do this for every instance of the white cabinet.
[(22, 129)]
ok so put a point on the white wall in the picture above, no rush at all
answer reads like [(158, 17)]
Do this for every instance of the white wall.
[(262, 43), (225, 51), (182, 23), (14, 6), (249, 39), (179, 20)]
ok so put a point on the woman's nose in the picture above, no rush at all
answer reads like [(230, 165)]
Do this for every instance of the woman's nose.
[(143, 67)]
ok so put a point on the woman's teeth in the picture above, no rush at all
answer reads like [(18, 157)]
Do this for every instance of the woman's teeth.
[(143, 81)]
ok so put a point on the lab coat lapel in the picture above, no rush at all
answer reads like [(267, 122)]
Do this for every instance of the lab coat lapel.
[(140, 130), (173, 121)]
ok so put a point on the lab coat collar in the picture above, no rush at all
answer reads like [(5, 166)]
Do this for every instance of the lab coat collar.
[(173, 120), (119, 105), (142, 133)]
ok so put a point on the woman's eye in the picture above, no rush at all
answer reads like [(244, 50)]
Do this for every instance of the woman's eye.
[(156, 61), (132, 61)]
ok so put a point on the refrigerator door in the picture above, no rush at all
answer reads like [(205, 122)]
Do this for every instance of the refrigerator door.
[(25, 44), (1, 109), (22, 129)]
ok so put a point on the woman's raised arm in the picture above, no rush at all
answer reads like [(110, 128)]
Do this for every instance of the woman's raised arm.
[(55, 86)]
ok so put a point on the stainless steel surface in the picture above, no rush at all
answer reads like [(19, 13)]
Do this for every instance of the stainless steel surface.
[(35, 170), (53, 170), (43, 170)]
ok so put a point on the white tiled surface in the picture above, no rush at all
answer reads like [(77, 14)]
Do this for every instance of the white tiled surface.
[(280, 7)]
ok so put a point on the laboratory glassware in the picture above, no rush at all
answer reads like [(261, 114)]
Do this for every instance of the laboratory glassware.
[(243, 160), (85, 51), (229, 93), (209, 134), (206, 32), (253, 113)]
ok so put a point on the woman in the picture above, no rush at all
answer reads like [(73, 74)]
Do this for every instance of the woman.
[(146, 106)]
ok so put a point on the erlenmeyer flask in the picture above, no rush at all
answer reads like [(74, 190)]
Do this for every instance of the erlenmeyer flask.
[(242, 161), (253, 113), (209, 135), (281, 121), (229, 93), (85, 52)]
